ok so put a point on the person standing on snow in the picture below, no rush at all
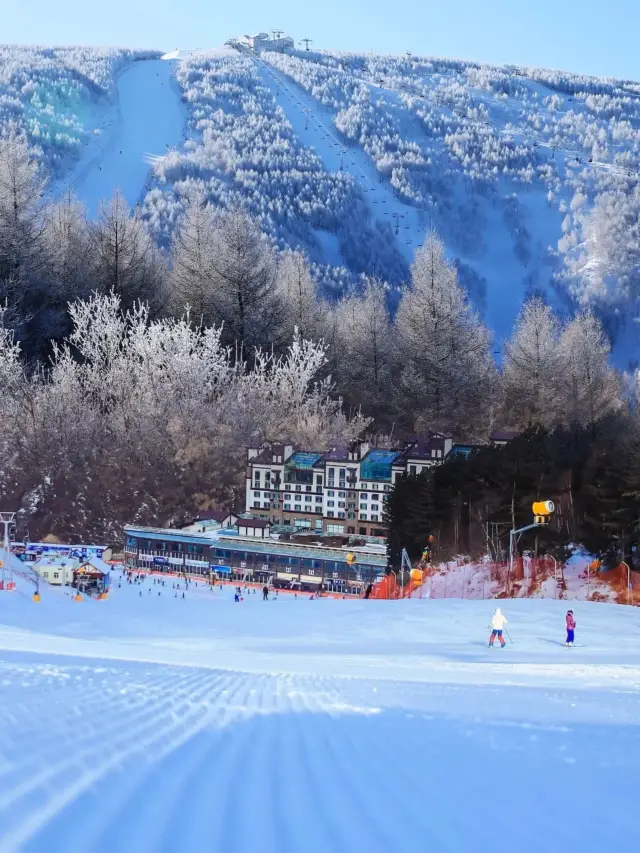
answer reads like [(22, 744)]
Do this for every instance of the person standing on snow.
[(265, 593), (498, 621), (571, 627)]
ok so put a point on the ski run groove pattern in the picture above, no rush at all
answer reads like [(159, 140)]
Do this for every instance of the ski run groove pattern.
[(153, 758)]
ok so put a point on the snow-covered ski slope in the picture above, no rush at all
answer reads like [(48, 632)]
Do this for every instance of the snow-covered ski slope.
[(156, 723), (142, 122)]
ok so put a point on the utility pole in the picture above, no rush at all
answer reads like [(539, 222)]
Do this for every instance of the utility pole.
[(397, 217), (306, 42)]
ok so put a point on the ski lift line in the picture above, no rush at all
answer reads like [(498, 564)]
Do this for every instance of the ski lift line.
[(281, 81)]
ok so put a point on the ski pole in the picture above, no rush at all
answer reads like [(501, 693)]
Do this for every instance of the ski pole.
[(509, 636)]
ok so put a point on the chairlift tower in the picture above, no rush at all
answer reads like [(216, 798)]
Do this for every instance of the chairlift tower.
[(306, 43)]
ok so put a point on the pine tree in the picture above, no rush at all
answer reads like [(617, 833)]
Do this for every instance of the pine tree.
[(533, 364), (22, 226), (126, 261), (243, 273), (364, 334), (301, 307), (443, 360), (590, 388), (192, 276)]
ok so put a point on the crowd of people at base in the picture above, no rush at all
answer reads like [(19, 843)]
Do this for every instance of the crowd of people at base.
[(499, 620)]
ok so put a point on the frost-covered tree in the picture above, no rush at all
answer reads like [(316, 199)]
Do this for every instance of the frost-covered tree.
[(532, 365), (301, 307), (443, 359), (365, 348), (68, 251), (589, 387), (167, 397), (191, 279), (243, 283), (126, 261), (21, 217)]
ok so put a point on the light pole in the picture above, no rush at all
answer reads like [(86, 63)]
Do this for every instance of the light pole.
[(628, 581), (7, 519)]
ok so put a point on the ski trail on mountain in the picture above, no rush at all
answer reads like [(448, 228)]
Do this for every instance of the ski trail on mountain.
[(313, 124), (146, 120)]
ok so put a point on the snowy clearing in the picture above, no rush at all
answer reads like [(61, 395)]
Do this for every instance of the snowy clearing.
[(145, 121), (149, 722)]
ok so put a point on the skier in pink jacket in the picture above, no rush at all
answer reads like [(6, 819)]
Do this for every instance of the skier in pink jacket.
[(571, 627)]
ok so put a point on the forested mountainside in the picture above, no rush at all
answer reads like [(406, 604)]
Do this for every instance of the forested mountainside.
[(337, 245), (531, 177)]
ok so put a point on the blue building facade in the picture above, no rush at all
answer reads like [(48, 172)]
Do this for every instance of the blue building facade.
[(282, 563)]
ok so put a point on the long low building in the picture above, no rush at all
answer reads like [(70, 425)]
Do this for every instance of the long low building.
[(263, 560)]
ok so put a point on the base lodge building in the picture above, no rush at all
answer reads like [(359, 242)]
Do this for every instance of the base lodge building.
[(338, 492)]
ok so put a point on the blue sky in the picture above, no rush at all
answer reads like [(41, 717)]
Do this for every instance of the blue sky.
[(576, 35)]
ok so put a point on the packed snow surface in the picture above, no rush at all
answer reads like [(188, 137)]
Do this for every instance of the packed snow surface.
[(151, 722), (144, 123)]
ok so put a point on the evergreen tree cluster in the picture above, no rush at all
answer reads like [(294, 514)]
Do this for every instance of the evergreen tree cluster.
[(470, 503)]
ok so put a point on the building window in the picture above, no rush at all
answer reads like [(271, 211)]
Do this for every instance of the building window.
[(363, 516), (374, 518), (307, 498), (298, 488), (308, 489), (351, 530), (387, 488), (363, 531), (412, 470), (287, 488), (340, 515), (341, 504), (319, 499), (287, 508), (374, 487), (342, 473), (331, 513), (56, 575), (341, 494), (330, 493), (256, 504), (298, 507), (335, 528), (375, 497), (331, 473)]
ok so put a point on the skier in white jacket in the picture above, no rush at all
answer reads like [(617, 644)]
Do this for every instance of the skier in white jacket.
[(498, 621)]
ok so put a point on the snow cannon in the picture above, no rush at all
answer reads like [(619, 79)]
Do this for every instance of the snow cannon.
[(77, 597), (542, 511), (351, 558), (417, 576), (36, 596)]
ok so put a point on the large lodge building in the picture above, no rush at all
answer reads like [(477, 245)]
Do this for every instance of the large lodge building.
[(341, 491)]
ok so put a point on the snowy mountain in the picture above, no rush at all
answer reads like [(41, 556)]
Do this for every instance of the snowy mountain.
[(530, 176)]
